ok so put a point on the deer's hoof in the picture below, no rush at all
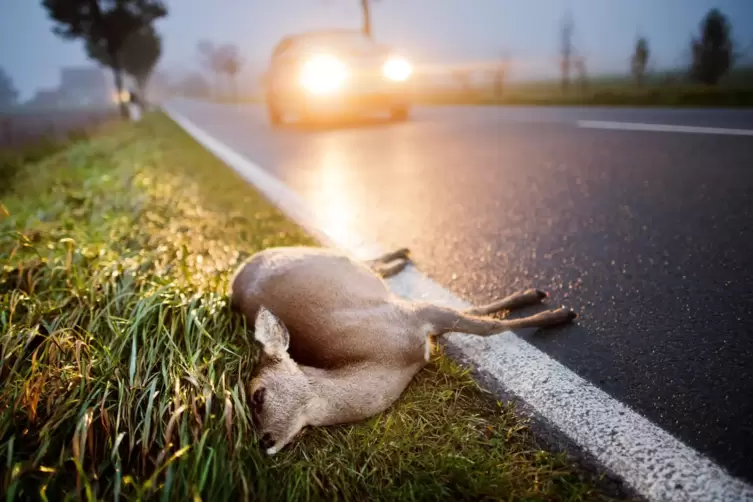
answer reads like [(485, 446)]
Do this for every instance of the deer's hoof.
[(571, 316), (541, 294)]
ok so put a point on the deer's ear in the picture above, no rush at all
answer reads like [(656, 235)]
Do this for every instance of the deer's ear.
[(271, 333)]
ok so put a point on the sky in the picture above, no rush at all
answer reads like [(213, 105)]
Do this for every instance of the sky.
[(426, 31)]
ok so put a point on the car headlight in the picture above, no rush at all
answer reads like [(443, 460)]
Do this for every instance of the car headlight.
[(397, 69), (123, 97), (323, 74)]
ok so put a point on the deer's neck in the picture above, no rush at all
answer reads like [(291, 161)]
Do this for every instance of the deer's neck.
[(354, 393)]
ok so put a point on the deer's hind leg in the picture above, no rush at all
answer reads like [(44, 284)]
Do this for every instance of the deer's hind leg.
[(514, 301), (398, 254), (390, 269), (445, 320)]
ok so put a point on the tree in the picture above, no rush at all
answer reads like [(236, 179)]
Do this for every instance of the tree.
[(138, 55), (8, 92), (499, 76), (141, 56), (579, 63), (712, 51), (208, 59), (566, 50), (220, 60), (205, 50), (104, 26), (230, 62), (639, 61)]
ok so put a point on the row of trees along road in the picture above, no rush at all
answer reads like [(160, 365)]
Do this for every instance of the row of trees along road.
[(118, 34), (712, 52)]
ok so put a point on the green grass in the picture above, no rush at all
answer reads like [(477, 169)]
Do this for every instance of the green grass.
[(14, 158), (123, 370)]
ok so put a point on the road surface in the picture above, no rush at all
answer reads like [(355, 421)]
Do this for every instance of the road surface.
[(648, 234)]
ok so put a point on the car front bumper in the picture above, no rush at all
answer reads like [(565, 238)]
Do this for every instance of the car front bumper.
[(355, 101), (352, 98)]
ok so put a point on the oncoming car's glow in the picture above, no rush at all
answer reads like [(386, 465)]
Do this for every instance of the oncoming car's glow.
[(323, 74), (397, 69)]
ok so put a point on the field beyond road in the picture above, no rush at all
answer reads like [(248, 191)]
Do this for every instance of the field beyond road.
[(605, 95), (123, 370)]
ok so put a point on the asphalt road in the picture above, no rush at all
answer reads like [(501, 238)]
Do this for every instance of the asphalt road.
[(648, 235)]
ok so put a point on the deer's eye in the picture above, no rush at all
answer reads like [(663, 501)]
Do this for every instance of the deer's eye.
[(257, 400)]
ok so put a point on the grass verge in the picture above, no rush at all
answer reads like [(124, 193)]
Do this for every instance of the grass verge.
[(13, 157), (123, 369)]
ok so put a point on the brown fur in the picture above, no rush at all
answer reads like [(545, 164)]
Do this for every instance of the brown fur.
[(340, 347)]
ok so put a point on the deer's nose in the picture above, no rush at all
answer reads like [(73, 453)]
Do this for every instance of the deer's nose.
[(266, 442)]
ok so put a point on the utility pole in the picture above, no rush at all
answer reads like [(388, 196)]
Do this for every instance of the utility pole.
[(366, 8)]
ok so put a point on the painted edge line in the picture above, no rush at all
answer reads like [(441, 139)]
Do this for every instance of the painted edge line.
[(636, 126), (650, 460)]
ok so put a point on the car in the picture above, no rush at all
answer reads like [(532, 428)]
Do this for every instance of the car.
[(335, 72)]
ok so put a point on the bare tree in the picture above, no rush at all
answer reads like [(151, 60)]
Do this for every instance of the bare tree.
[(230, 62), (8, 92), (205, 50), (744, 55), (566, 50), (579, 63), (639, 61), (207, 53), (500, 75), (220, 60)]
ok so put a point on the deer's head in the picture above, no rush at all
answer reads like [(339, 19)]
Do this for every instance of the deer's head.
[(280, 393)]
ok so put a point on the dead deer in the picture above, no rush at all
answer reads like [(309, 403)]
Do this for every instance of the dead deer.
[(337, 345)]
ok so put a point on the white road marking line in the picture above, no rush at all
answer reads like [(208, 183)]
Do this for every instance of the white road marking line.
[(635, 126), (647, 458)]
